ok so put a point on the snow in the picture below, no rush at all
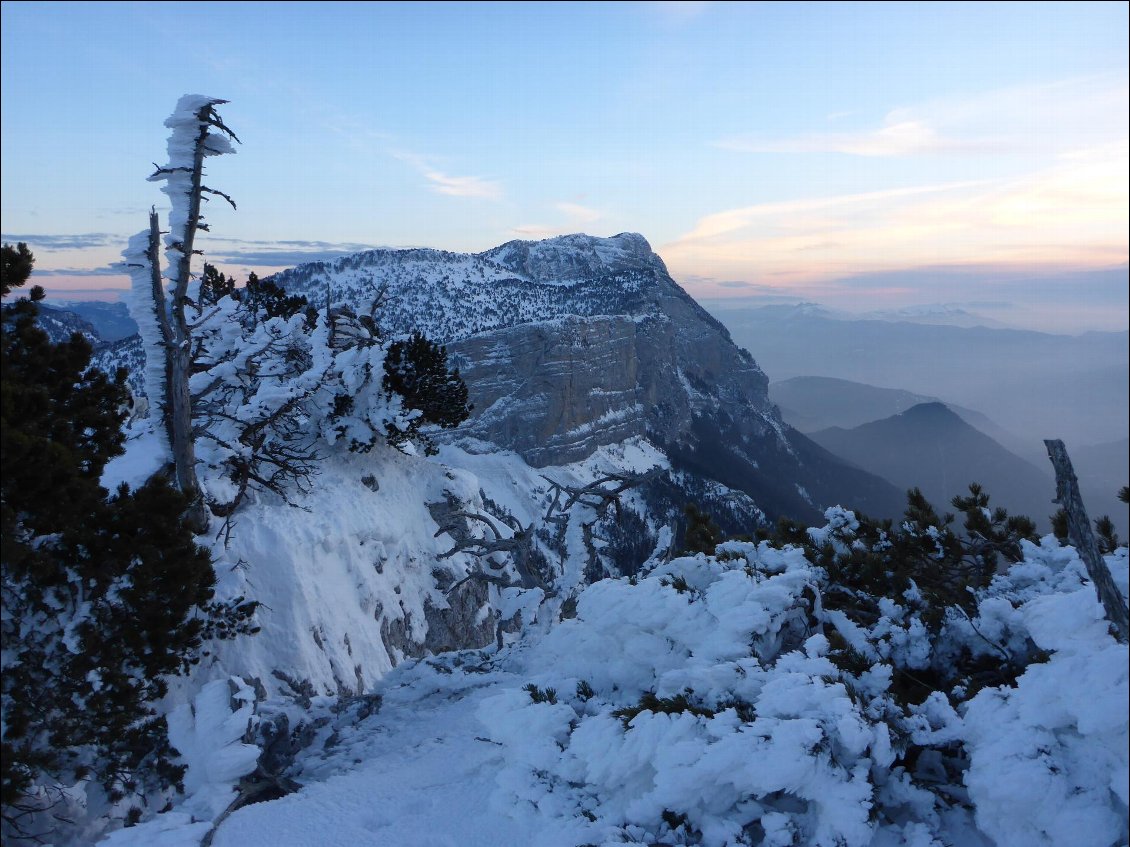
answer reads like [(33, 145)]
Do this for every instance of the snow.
[(455, 296), (773, 742), (146, 453), (207, 734), (143, 309)]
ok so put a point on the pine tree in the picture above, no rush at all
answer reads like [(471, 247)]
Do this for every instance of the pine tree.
[(702, 534), (214, 286), (416, 369), (264, 296), (102, 596)]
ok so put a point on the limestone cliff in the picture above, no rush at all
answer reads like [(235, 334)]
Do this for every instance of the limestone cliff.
[(575, 342)]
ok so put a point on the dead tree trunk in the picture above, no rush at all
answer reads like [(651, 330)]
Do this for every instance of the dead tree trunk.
[(1079, 527), (193, 124)]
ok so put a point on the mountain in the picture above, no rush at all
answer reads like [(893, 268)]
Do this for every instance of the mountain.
[(812, 403), (946, 314), (1034, 384), (576, 342), (111, 321), (930, 447), (61, 324), (407, 679)]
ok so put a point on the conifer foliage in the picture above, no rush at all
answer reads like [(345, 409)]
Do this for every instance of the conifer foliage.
[(416, 369), (102, 596)]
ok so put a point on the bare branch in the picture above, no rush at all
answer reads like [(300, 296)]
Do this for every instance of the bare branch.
[(218, 193)]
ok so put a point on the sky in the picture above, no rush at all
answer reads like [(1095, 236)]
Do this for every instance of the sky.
[(864, 156)]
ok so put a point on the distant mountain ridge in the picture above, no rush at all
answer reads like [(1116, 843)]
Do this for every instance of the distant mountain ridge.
[(1033, 384), (61, 324), (813, 403), (930, 447)]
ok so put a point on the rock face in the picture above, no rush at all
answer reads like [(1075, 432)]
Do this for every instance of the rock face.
[(575, 342), (565, 344)]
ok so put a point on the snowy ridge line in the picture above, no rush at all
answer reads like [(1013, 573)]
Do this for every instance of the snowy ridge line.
[(454, 296)]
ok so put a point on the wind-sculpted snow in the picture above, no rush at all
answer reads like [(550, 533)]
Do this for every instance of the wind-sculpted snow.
[(711, 705), (706, 703)]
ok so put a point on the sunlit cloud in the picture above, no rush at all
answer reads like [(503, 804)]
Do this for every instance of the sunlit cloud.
[(1072, 213), (579, 213), (576, 218), (1002, 120), (901, 138), (453, 186), (104, 270), (533, 232)]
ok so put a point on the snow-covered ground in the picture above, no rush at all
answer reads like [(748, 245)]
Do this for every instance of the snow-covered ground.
[(752, 733)]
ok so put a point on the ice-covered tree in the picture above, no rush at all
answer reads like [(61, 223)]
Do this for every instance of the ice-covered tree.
[(160, 303), (251, 382)]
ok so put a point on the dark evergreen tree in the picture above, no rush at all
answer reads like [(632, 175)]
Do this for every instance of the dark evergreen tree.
[(214, 286), (416, 369), (266, 298), (102, 597), (702, 534), (17, 262)]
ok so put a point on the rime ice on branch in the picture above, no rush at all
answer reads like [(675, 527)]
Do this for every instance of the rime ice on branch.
[(197, 132)]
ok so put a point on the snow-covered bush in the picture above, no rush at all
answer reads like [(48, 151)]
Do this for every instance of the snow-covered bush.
[(276, 384), (736, 699)]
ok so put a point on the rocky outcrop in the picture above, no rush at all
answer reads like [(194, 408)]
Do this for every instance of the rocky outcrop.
[(554, 392)]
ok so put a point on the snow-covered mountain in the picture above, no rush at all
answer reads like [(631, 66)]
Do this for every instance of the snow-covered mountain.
[(61, 324), (575, 342)]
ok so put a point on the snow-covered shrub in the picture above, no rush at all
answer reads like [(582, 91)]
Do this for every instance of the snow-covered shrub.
[(746, 698), (277, 383)]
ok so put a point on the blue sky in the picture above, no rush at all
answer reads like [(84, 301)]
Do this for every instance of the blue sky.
[(862, 155)]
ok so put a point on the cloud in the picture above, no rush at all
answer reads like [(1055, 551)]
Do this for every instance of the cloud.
[(1045, 118), (278, 258), (293, 242), (1072, 212), (536, 231), (105, 270), (902, 138), (453, 186), (676, 12), (59, 294), (577, 217), (283, 253), (80, 241), (579, 213)]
